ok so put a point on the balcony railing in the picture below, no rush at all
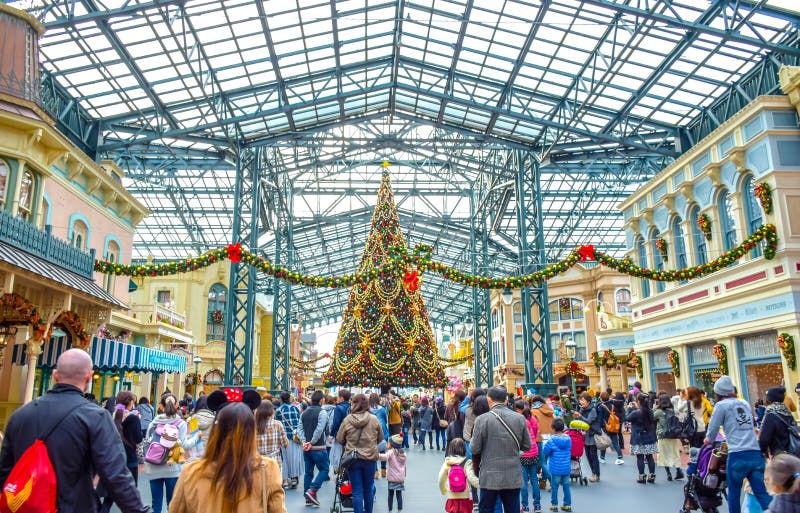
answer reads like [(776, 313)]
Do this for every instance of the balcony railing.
[(153, 314), (41, 243)]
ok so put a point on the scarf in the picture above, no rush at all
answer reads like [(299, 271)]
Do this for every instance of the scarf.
[(778, 408)]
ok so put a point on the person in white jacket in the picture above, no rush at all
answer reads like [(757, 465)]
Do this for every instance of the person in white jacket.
[(457, 501)]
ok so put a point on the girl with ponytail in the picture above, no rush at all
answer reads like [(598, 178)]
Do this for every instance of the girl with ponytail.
[(782, 477)]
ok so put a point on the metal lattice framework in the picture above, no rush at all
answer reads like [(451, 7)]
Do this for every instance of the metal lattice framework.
[(600, 94)]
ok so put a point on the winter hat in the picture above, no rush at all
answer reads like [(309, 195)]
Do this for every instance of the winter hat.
[(776, 395), (724, 386), (397, 440)]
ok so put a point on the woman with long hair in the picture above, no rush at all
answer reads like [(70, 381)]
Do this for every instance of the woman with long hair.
[(644, 443), (231, 477), (669, 449), (700, 408), (271, 435), (361, 432), (164, 477), (126, 419)]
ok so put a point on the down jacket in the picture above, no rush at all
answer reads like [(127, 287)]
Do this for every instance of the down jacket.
[(533, 431), (557, 450)]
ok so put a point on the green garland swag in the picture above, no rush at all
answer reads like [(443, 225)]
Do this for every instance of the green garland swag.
[(419, 260)]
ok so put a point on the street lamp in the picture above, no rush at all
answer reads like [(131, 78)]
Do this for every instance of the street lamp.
[(468, 326), (571, 348), (197, 361), (508, 296)]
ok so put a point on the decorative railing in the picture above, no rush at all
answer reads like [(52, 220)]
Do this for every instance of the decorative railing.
[(154, 314), (41, 243)]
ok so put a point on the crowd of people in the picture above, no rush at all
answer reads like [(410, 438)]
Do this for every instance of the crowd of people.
[(238, 451)]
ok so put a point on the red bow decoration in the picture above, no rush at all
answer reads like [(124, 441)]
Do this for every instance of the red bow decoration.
[(234, 395), (411, 280), (235, 252), (586, 252)]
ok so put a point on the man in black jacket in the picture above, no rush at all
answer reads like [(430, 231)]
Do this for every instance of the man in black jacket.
[(84, 444)]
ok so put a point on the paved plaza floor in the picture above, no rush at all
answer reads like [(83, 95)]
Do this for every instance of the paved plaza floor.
[(617, 492)]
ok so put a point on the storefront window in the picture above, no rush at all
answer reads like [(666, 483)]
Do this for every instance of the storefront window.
[(703, 367), (761, 364), (663, 378)]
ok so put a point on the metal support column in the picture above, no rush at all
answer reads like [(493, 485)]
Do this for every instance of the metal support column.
[(530, 232), (482, 347), (241, 307), (282, 199)]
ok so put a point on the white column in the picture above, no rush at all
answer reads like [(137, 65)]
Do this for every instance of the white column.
[(603, 378), (33, 349)]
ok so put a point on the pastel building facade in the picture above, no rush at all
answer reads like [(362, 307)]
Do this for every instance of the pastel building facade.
[(689, 333)]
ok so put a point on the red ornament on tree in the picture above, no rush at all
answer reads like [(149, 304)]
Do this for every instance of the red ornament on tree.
[(411, 280)]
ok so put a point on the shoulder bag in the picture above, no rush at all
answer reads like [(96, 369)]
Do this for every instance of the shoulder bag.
[(793, 447), (350, 457), (442, 422), (503, 422)]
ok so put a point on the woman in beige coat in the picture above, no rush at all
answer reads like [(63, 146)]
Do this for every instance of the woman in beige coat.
[(231, 477), (361, 432)]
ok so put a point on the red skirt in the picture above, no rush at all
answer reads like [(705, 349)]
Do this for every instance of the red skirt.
[(458, 506)]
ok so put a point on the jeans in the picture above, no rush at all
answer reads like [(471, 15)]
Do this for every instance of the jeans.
[(591, 457), (405, 438), (555, 482), (362, 479), (422, 434), (750, 465), (509, 498), (615, 441), (543, 462), (640, 461), (318, 459), (157, 491), (441, 434), (529, 477)]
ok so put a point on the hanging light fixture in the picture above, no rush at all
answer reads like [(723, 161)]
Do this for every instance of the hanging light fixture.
[(507, 296), (7, 332)]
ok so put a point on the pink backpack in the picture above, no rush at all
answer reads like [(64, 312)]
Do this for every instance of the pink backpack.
[(164, 438), (457, 478)]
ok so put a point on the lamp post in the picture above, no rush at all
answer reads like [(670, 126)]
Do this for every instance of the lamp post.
[(507, 296), (571, 347), (197, 361)]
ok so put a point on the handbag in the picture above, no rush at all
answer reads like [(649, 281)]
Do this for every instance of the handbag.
[(442, 422), (602, 441)]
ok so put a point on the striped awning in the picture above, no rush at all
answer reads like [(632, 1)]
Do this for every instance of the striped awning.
[(110, 355), (50, 352)]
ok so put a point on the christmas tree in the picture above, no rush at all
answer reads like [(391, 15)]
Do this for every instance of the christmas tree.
[(385, 338)]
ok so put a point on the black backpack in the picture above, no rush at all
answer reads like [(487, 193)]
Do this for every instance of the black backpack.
[(677, 429), (794, 437)]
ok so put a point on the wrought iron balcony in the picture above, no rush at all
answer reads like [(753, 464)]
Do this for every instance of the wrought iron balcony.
[(41, 243)]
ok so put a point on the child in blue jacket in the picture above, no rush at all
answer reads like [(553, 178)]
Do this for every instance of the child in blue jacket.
[(557, 449)]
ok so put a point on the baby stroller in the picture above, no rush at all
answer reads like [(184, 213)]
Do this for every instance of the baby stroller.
[(343, 493), (575, 433), (705, 478)]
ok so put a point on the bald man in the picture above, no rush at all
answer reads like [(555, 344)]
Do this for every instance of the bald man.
[(81, 440)]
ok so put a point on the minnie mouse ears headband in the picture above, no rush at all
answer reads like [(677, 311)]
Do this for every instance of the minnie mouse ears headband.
[(220, 398)]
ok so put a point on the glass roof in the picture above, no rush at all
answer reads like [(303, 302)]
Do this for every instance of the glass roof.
[(447, 90)]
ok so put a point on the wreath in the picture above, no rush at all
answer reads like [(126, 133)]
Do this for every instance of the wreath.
[(661, 246), (574, 369), (721, 353), (763, 192), (704, 223), (674, 359), (217, 316)]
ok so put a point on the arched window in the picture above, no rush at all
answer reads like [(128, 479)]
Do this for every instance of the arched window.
[(79, 234), (641, 251), (658, 260), (701, 257), (3, 184), (112, 255), (26, 196), (727, 224), (623, 299), (753, 211), (680, 244), (217, 306)]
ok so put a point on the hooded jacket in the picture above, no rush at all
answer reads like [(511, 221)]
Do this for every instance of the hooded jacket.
[(557, 450), (339, 413), (361, 432), (196, 493), (394, 412), (383, 418), (544, 417), (774, 435), (167, 470), (533, 431), (472, 479), (396, 465)]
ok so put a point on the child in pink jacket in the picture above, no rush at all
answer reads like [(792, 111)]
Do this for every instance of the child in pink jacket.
[(395, 457), (529, 460)]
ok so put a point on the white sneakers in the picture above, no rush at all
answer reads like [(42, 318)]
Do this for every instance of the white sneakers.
[(602, 460), (619, 461)]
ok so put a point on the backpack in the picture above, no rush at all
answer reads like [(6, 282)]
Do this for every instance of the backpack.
[(612, 424), (164, 438), (794, 437), (677, 429), (31, 486), (457, 478)]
